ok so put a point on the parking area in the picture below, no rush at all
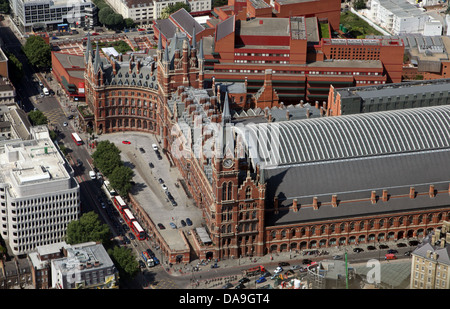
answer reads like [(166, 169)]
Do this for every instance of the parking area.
[(153, 180)]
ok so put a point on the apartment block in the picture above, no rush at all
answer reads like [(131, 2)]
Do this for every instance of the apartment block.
[(430, 267)]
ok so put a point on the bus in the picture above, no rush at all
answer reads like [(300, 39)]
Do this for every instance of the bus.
[(138, 231), (128, 216), (120, 203), (77, 139)]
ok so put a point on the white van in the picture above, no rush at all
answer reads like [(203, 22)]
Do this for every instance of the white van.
[(45, 90)]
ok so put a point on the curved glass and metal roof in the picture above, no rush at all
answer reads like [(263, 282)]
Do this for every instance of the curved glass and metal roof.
[(350, 136)]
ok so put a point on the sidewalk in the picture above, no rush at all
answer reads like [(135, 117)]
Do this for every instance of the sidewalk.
[(293, 258)]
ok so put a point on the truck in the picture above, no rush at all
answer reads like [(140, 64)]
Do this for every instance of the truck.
[(258, 270), (148, 259)]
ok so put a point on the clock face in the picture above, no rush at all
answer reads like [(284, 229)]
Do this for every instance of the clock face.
[(227, 163)]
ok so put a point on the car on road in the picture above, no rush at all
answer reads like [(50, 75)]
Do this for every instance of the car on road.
[(358, 250), (413, 242), (337, 257), (51, 92), (188, 221), (278, 270), (227, 286), (164, 187), (392, 251), (173, 225), (131, 235), (155, 147), (183, 223), (126, 240), (126, 142), (261, 280), (142, 264), (79, 162), (65, 124), (151, 165), (142, 150), (306, 261), (401, 244), (244, 280), (158, 156), (383, 246), (70, 117), (371, 248), (408, 253), (240, 286), (161, 226), (281, 264), (160, 180), (295, 267), (173, 202)]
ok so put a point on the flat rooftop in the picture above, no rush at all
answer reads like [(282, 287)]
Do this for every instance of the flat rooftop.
[(264, 27)]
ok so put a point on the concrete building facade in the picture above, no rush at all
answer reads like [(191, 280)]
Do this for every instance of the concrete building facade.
[(39, 194)]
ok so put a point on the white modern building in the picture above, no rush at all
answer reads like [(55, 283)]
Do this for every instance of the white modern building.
[(398, 16), (48, 14), (84, 266), (143, 12), (39, 195)]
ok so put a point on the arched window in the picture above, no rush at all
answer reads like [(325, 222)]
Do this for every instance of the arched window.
[(248, 193), (230, 188), (224, 191)]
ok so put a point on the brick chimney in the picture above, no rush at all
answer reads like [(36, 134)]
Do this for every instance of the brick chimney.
[(294, 205), (385, 195), (412, 193), (431, 191), (315, 203), (373, 197), (334, 200)]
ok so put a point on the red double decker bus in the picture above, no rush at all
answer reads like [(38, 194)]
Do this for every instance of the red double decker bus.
[(137, 229), (120, 203), (128, 216), (76, 138)]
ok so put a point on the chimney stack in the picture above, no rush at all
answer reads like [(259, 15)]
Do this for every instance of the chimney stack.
[(334, 200), (315, 203), (412, 193), (294, 205), (431, 191), (385, 196), (373, 197)]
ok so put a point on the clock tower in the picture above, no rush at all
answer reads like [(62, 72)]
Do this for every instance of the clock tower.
[(238, 219)]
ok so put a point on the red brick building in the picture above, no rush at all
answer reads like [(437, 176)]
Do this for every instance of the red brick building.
[(303, 64), (306, 186)]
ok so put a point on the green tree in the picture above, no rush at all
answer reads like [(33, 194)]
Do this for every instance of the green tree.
[(87, 228), (37, 118), (104, 13), (359, 4), (38, 52), (120, 179), (129, 23), (172, 8), (107, 157), (125, 261)]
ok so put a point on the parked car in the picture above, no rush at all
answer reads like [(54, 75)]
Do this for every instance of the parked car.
[(295, 267), (155, 147), (142, 150), (188, 221), (392, 251), (183, 223), (173, 225), (161, 226), (358, 250), (126, 142), (227, 286), (261, 280), (244, 280), (383, 246), (160, 180), (282, 264), (164, 187), (371, 248), (306, 261), (337, 257)]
